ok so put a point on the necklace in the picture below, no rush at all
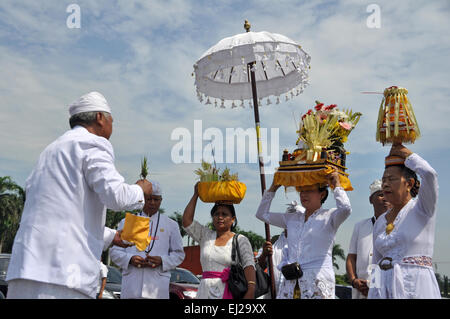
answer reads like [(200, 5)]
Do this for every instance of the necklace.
[(389, 228), (153, 239)]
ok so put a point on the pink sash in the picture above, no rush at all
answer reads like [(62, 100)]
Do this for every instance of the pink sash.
[(223, 276)]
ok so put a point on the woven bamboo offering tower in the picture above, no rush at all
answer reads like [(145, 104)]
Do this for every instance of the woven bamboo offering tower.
[(396, 120)]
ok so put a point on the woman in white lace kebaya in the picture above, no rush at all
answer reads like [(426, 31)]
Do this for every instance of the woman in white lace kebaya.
[(215, 250), (311, 233), (403, 237)]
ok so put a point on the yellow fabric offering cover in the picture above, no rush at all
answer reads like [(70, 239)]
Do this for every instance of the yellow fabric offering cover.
[(135, 230), (309, 177), (212, 192)]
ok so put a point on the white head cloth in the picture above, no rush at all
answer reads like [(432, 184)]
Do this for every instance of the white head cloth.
[(89, 102), (375, 187), (156, 188)]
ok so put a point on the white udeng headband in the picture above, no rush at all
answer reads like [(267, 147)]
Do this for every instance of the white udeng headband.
[(89, 102), (375, 187)]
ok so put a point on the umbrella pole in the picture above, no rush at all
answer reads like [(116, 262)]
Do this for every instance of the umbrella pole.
[(261, 166)]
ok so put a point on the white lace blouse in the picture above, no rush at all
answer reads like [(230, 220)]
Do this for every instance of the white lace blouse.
[(309, 243), (216, 258)]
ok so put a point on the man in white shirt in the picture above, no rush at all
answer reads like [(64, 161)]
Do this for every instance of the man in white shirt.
[(62, 231), (146, 274), (360, 252), (103, 279), (276, 251)]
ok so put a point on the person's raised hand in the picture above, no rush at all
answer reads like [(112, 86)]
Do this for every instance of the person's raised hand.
[(196, 189), (117, 241), (267, 249), (333, 179), (400, 150), (146, 186)]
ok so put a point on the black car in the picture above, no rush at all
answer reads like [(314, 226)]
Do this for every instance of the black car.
[(343, 292)]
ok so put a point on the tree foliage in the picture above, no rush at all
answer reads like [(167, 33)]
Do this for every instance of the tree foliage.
[(337, 252), (12, 199)]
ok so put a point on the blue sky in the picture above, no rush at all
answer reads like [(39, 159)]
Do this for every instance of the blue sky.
[(140, 55)]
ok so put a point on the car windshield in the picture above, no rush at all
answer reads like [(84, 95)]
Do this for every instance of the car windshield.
[(4, 262), (183, 276), (114, 276)]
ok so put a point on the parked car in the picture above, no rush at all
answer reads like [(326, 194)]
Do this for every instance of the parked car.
[(114, 281), (343, 292), (4, 262), (183, 284)]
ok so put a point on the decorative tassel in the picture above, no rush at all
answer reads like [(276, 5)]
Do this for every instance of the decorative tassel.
[(207, 101), (268, 102), (278, 100)]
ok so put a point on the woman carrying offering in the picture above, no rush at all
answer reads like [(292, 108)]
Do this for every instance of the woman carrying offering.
[(216, 249), (311, 233), (403, 237)]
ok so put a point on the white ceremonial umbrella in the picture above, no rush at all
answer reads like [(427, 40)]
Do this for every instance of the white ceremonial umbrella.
[(248, 67), (280, 66)]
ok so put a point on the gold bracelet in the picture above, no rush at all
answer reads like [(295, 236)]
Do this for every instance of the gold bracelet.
[(251, 283)]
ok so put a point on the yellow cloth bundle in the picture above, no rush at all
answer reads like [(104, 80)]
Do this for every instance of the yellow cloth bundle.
[(136, 231), (231, 191), (310, 177)]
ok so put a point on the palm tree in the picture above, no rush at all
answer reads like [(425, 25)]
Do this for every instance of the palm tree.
[(12, 199), (337, 252), (178, 217)]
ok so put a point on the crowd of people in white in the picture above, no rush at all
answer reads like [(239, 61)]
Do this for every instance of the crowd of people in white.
[(62, 230)]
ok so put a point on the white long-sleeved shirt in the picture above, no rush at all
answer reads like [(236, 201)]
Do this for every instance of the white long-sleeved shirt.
[(62, 231), (150, 282)]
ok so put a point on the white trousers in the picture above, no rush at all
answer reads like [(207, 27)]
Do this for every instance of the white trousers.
[(30, 289)]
